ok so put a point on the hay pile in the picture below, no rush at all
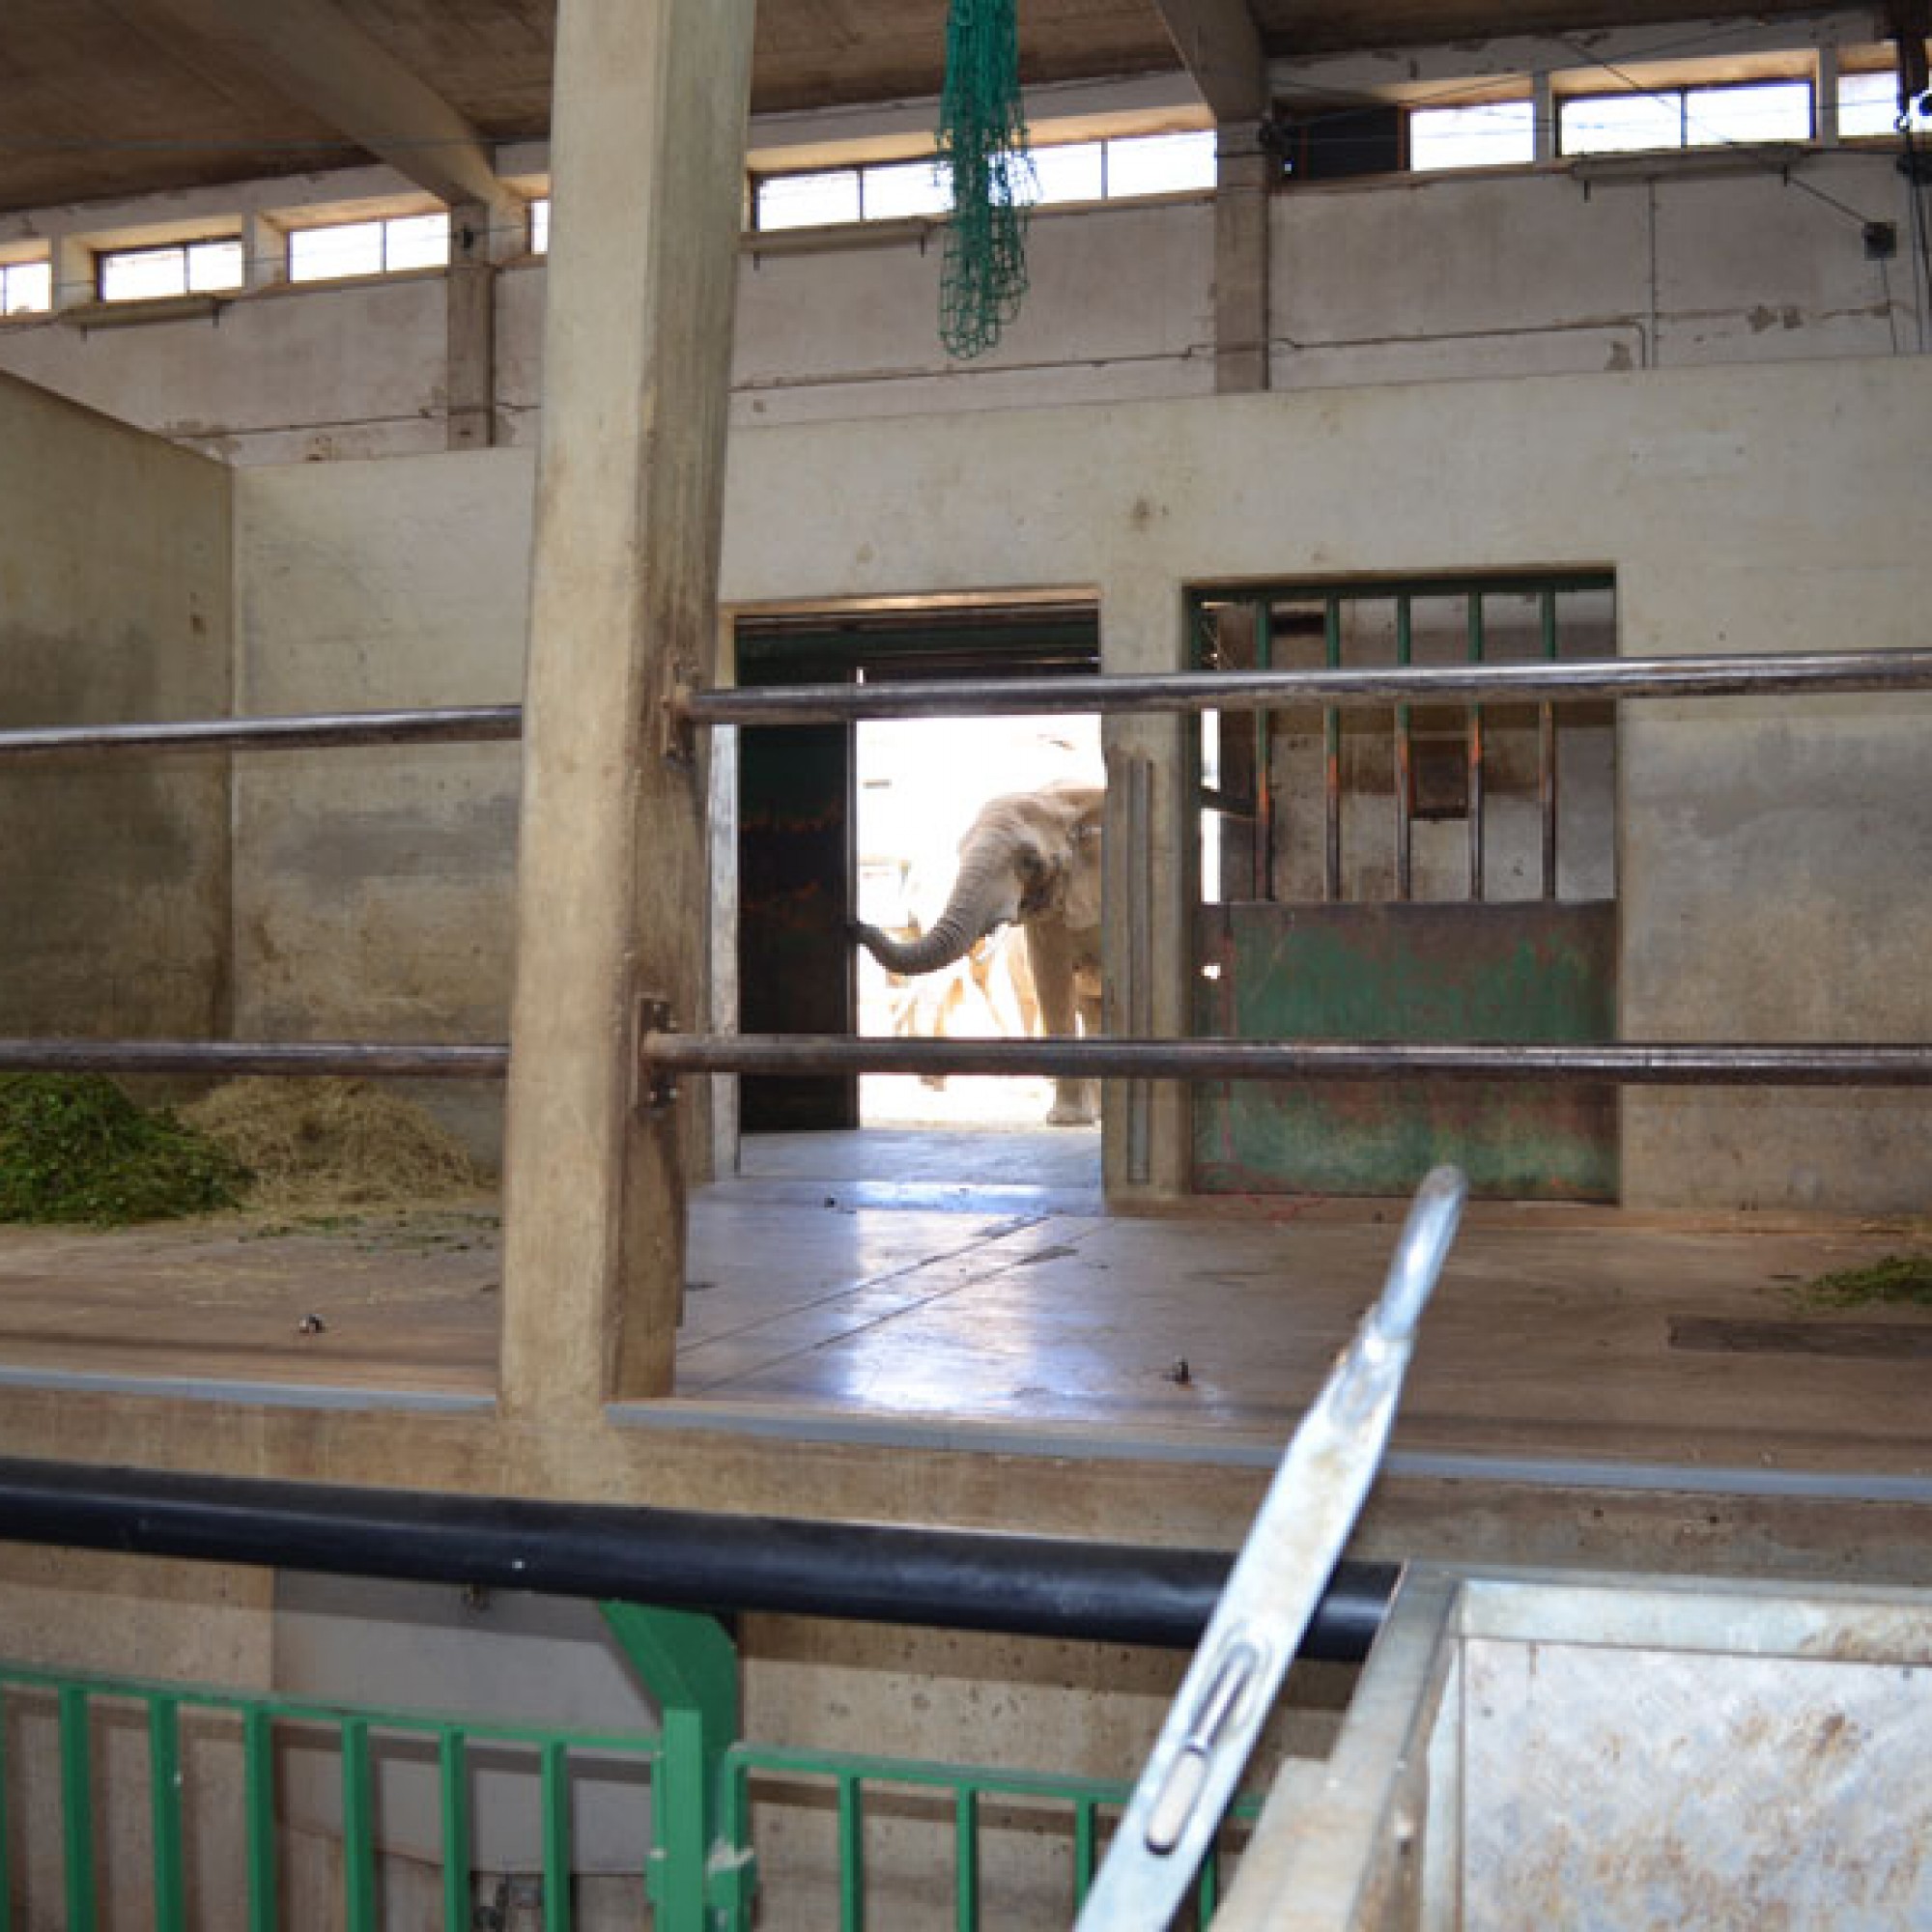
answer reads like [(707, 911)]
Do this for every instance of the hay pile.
[(74, 1148), (315, 1145)]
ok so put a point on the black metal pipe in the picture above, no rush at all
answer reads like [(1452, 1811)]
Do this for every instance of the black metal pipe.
[(1708, 676), (667, 1054), (234, 1057), (465, 725), (937, 1578)]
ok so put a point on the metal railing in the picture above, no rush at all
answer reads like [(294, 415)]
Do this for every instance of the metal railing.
[(1712, 675), (665, 1053), (223, 1723), (1746, 675), (197, 1737), (699, 1866)]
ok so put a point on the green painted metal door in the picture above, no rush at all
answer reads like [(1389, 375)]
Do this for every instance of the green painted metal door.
[(1523, 972)]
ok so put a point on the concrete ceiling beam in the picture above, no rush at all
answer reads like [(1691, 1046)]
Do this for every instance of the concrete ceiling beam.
[(322, 61), (1220, 45)]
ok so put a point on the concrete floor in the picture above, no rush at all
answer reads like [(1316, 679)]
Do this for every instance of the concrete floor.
[(906, 1279)]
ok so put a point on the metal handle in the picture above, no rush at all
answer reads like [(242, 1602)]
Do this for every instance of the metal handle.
[(1276, 1582)]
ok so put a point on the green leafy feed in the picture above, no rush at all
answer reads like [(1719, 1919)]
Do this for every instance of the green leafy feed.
[(75, 1147), (1896, 1279)]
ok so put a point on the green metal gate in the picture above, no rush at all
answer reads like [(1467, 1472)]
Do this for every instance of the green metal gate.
[(1420, 873), (91, 1763)]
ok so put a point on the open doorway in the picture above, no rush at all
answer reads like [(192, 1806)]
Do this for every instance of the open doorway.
[(921, 784), (837, 822)]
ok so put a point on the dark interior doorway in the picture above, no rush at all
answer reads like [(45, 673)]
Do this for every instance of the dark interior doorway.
[(798, 855)]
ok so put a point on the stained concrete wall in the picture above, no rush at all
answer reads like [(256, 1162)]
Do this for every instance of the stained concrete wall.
[(114, 607), (373, 888), (1401, 278), (1769, 852)]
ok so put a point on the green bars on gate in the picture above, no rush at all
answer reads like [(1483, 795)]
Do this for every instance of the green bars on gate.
[(965, 1791), (76, 1775), (255, 1729), (165, 1797), (699, 1864)]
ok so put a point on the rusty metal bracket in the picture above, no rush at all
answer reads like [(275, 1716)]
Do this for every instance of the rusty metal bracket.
[(655, 1086), (677, 733)]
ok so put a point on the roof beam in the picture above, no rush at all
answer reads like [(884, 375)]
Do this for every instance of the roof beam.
[(1221, 47), (325, 63)]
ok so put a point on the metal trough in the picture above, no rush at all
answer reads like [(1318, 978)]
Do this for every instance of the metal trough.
[(1538, 1750)]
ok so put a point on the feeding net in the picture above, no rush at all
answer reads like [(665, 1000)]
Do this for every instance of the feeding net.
[(983, 144)]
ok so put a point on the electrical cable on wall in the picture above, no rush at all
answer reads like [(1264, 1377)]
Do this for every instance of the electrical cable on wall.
[(982, 146)]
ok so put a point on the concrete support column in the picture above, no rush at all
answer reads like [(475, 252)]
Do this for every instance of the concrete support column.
[(73, 273), (470, 351), (648, 156), (1543, 117), (1148, 895), (1242, 259)]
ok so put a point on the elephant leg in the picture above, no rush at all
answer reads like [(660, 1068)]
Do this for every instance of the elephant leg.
[(1050, 951)]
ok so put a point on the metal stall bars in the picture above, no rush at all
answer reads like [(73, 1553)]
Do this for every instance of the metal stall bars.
[(667, 1052), (1478, 682), (1404, 622)]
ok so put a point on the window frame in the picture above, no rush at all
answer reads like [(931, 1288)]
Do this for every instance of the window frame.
[(861, 170), (10, 310), (382, 220), (106, 259)]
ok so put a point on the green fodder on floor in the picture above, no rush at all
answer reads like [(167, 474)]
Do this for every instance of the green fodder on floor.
[(75, 1147), (1895, 1279), (319, 1144)]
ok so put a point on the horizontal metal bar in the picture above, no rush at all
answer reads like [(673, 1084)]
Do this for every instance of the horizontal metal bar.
[(667, 1054), (467, 724), (233, 1057), (936, 1578), (1633, 1065), (1716, 676)]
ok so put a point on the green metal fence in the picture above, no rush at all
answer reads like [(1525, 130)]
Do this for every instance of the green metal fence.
[(1081, 1808), (707, 1790)]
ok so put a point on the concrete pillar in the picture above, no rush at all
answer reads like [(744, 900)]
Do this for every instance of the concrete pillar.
[(648, 156), (471, 349), (1148, 893), (1242, 259)]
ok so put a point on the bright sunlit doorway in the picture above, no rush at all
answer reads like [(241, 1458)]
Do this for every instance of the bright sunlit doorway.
[(844, 821), (921, 782)]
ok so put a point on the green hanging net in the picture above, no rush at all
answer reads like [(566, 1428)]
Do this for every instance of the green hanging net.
[(982, 143)]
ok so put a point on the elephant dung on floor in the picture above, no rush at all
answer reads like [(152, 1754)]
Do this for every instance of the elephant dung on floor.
[(1031, 858)]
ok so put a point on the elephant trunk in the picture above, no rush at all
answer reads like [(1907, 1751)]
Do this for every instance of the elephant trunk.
[(981, 898)]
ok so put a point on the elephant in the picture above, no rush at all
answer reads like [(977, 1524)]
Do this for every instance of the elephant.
[(1031, 859)]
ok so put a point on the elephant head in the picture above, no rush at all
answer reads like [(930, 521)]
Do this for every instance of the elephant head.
[(1029, 856)]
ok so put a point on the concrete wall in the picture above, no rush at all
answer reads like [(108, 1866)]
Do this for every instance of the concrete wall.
[(372, 890), (1402, 278), (1771, 508), (114, 607), (1535, 272)]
